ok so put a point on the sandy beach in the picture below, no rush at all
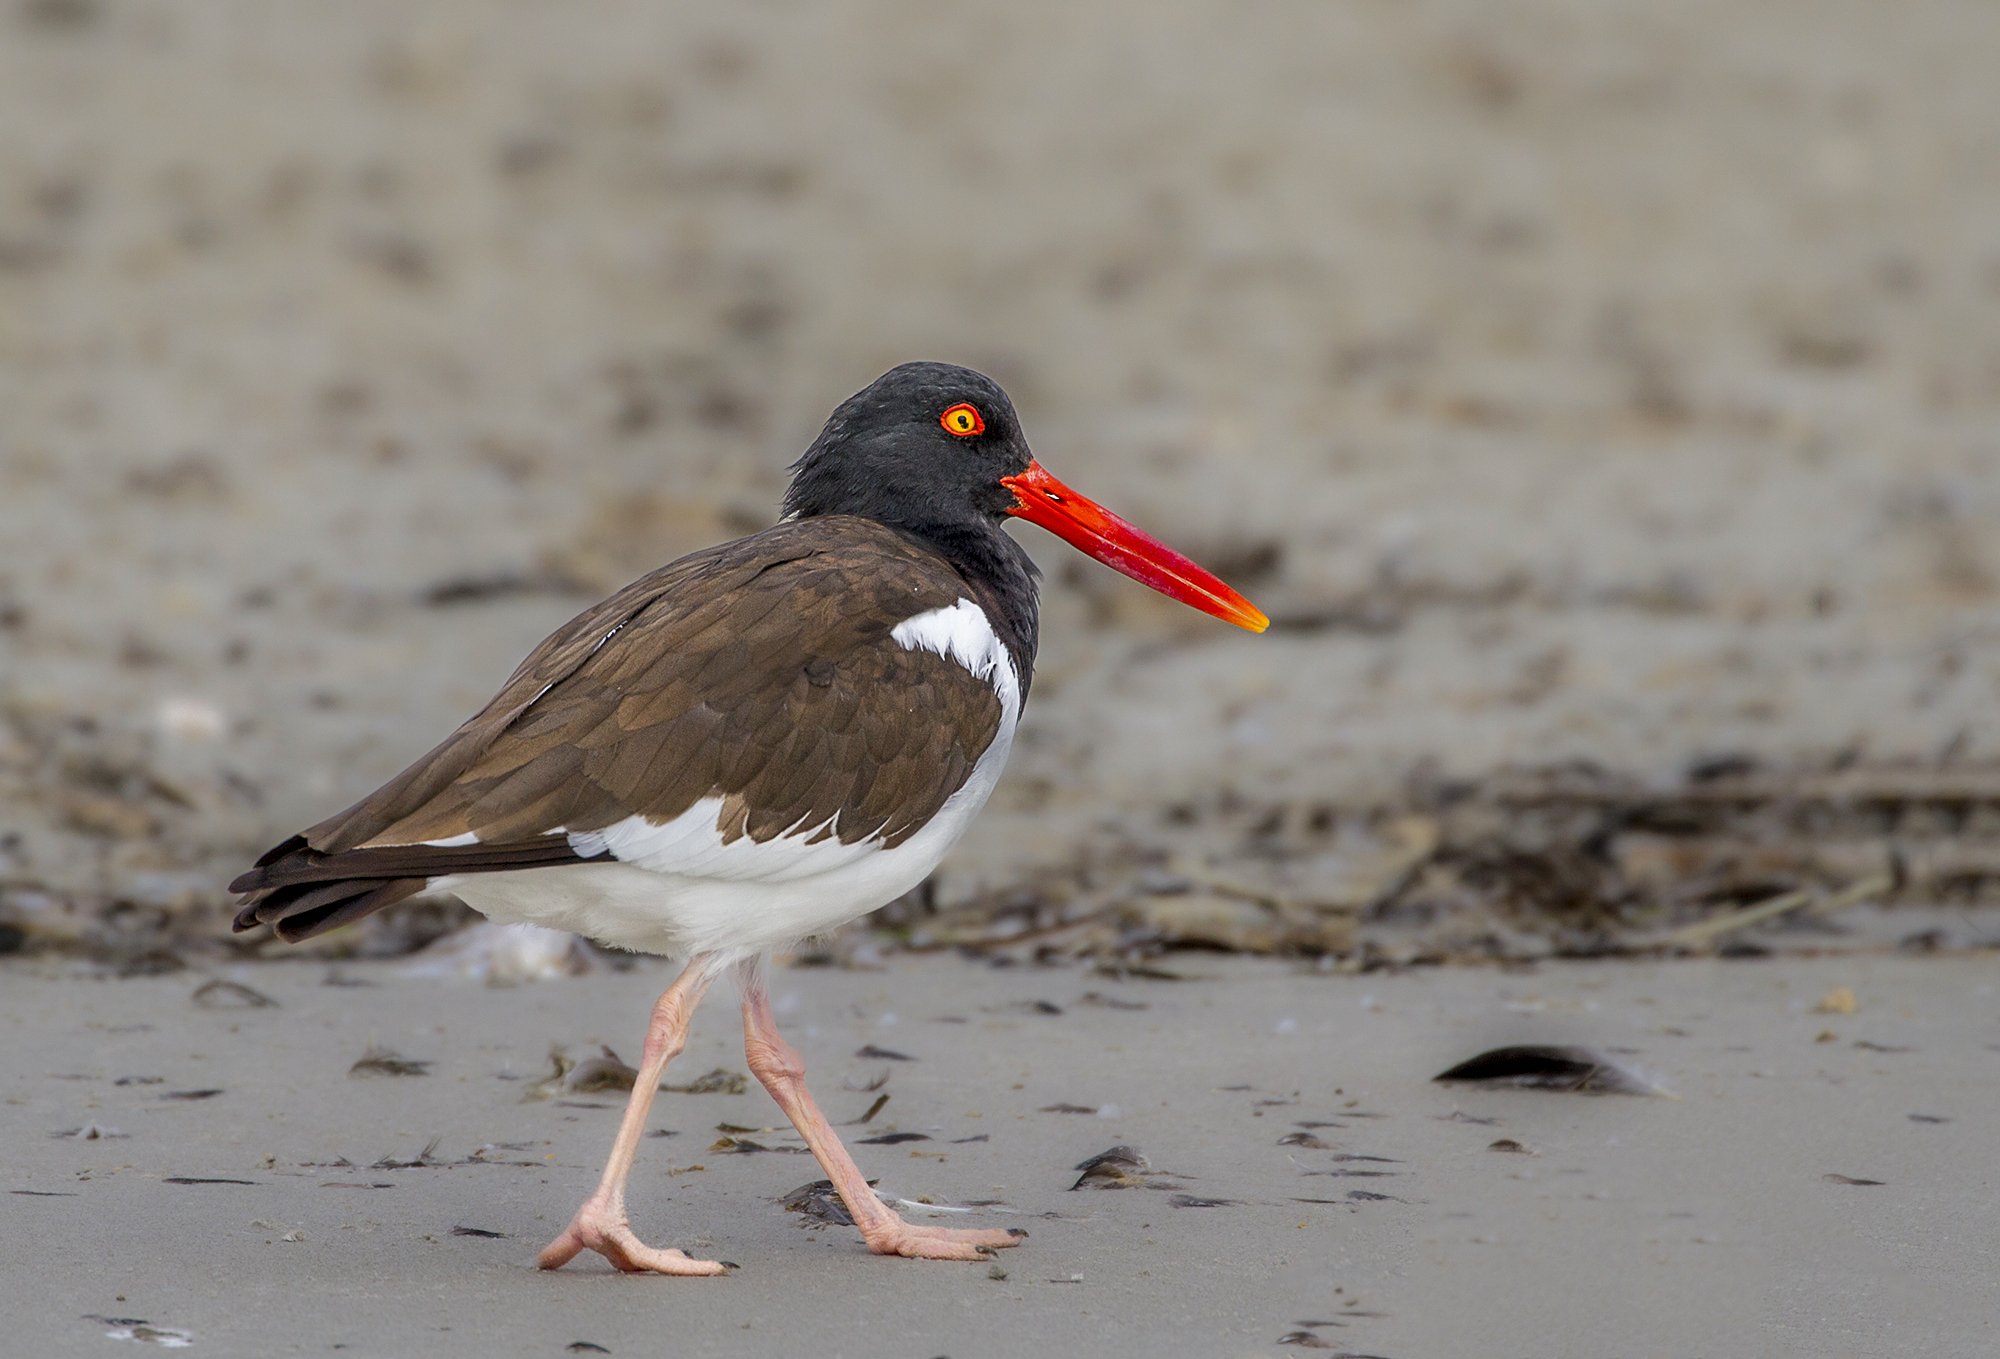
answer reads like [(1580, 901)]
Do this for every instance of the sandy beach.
[(1601, 399), (1749, 1209)]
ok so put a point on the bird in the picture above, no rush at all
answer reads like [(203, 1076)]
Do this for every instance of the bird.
[(748, 747)]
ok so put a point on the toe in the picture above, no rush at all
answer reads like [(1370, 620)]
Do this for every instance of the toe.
[(915, 1242), (929, 1248), (992, 1238), (617, 1243), (560, 1251), (635, 1258)]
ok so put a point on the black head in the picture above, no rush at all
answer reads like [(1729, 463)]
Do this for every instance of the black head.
[(936, 451), (922, 447)]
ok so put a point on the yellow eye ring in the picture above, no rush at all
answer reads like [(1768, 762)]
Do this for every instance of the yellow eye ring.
[(963, 420)]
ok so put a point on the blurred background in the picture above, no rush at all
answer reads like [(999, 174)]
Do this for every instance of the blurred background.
[(1604, 399)]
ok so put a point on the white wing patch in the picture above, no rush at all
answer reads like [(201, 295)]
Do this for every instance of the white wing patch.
[(963, 634), (691, 845)]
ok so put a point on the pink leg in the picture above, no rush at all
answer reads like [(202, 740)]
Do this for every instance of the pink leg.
[(601, 1224), (783, 1073)]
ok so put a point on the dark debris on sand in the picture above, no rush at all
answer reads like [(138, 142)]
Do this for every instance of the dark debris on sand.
[(1560, 861), (1732, 856), (1535, 1067)]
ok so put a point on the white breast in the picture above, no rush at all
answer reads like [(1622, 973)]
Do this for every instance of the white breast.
[(676, 888)]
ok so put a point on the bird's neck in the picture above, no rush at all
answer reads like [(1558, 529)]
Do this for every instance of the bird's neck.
[(1002, 580)]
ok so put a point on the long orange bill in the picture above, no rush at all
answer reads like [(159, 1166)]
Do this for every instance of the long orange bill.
[(1097, 532)]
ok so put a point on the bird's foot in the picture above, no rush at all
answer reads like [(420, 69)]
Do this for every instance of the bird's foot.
[(916, 1242), (610, 1235)]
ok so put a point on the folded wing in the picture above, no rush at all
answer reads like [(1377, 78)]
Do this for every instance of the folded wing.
[(763, 673)]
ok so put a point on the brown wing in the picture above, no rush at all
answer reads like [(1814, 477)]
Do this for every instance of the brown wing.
[(762, 671)]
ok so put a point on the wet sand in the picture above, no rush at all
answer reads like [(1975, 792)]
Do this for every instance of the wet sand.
[(1703, 1221)]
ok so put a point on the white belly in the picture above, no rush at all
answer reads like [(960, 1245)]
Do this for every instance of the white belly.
[(628, 906)]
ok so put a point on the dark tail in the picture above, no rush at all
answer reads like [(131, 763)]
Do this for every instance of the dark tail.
[(300, 891)]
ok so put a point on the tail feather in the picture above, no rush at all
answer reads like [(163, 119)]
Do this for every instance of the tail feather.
[(300, 891), (302, 913)]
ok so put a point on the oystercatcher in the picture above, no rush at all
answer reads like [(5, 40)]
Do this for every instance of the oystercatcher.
[(748, 747)]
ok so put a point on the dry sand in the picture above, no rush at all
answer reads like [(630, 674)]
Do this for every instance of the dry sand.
[(1702, 1222), (1571, 382)]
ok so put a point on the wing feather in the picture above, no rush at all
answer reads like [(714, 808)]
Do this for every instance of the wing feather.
[(762, 672)]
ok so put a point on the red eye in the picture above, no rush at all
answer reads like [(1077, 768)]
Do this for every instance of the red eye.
[(963, 420)]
